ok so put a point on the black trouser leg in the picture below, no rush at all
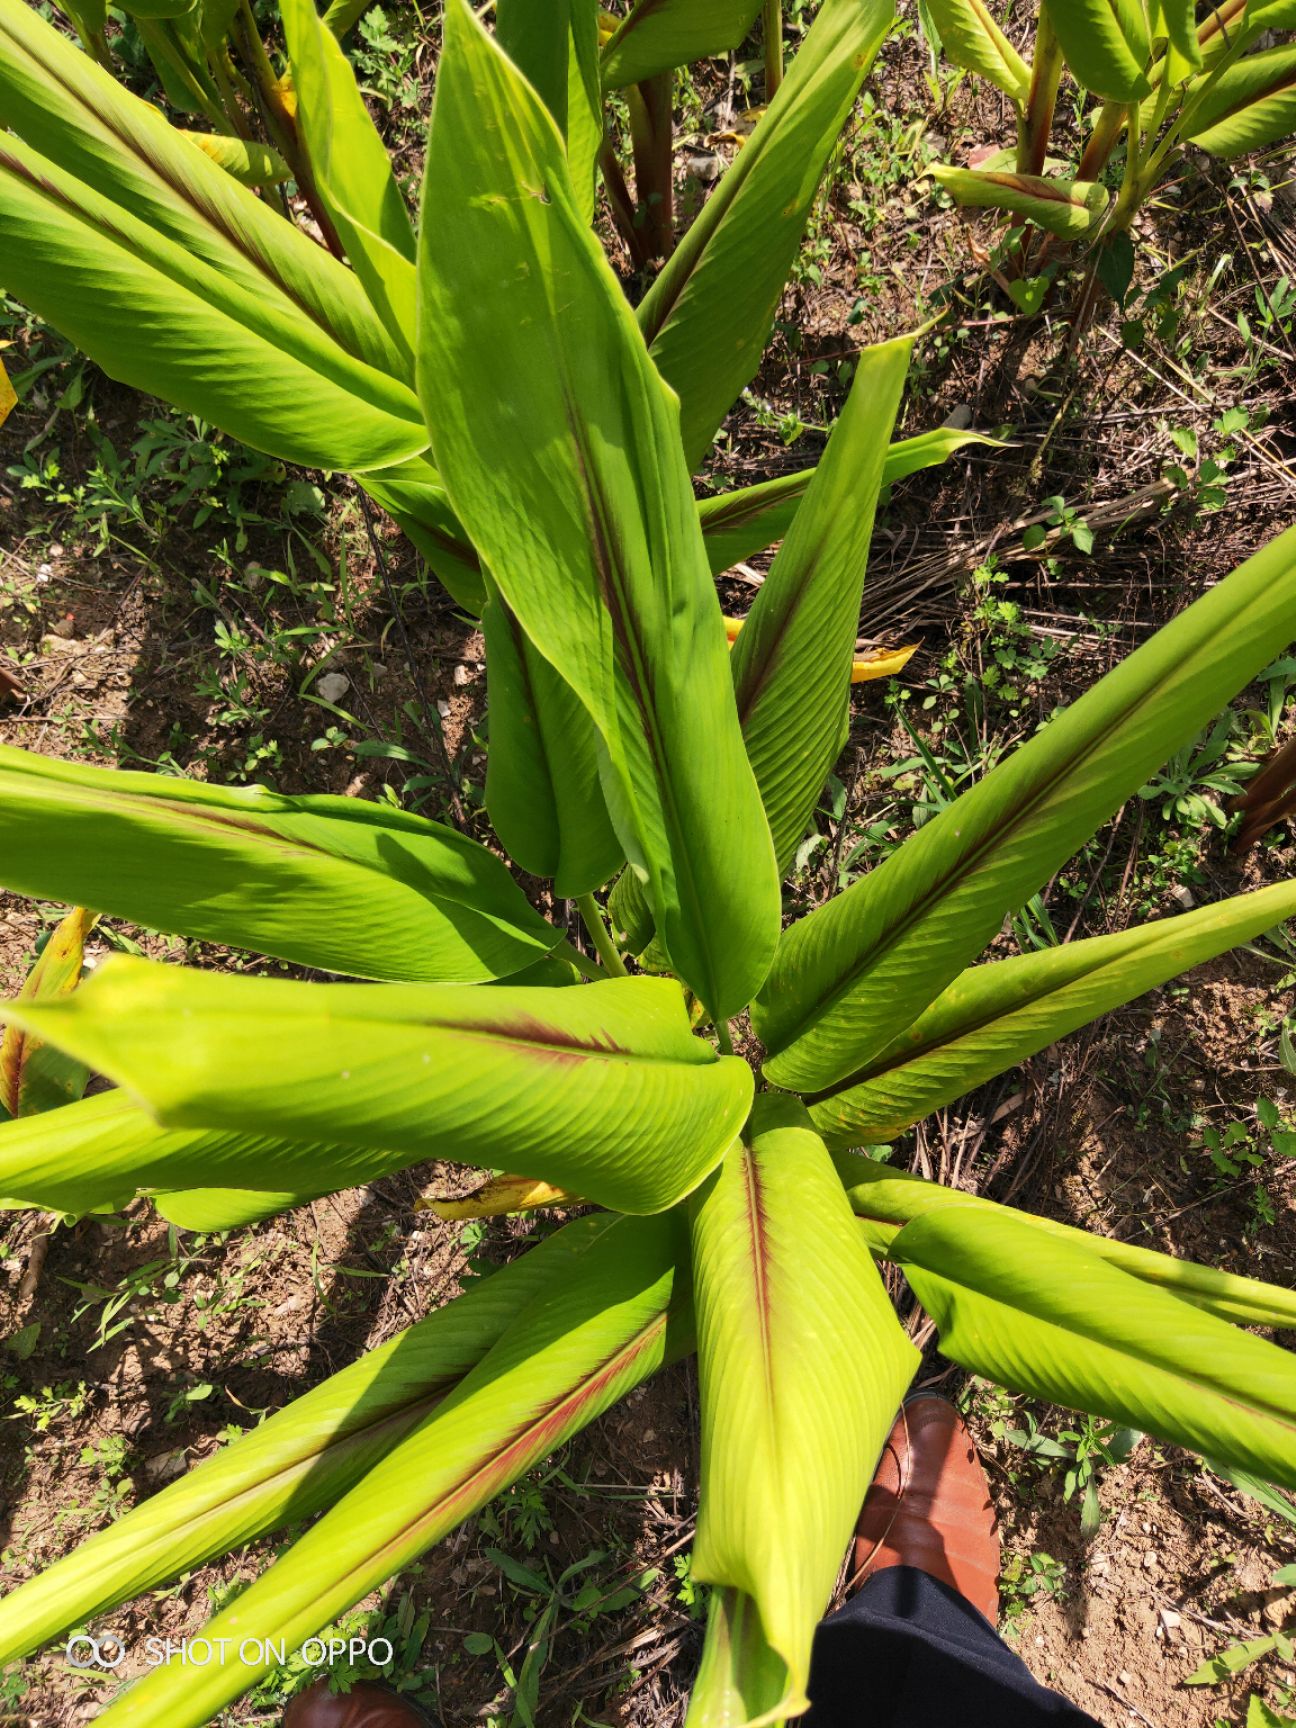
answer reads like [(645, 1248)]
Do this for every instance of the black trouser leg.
[(908, 1652)]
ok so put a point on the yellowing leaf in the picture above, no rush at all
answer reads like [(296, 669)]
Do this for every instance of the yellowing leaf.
[(34, 1077), (8, 398), (501, 1194)]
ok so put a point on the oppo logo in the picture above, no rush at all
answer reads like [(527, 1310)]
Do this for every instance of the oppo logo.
[(86, 1652)]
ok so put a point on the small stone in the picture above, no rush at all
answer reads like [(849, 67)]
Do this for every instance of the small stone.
[(1171, 1627), (333, 686), (1124, 1678), (165, 1466), (959, 418), (462, 675), (1151, 1560), (1182, 895), (443, 709)]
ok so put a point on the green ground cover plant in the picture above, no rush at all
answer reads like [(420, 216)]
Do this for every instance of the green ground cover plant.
[(709, 1085)]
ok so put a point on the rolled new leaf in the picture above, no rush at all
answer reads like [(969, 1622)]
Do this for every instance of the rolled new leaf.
[(250, 163), (1067, 208), (972, 39), (886, 1199), (559, 447), (739, 523), (1247, 106), (612, 1320), (850, 977), (337, 883), (542, 769), (295, 1464), (993, 1017), (793, 659), (802, 1365), (352, 171), (602, 1089), (1106, 43), (1039, 1316), (709, 312), (33, 1077), (557, 49), (657, 35)]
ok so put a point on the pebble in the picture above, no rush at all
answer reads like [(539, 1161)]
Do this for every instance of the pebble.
[(333, 686), (1151, 1560)]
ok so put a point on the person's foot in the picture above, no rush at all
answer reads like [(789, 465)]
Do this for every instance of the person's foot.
[(366, 1705), (930, 1506)]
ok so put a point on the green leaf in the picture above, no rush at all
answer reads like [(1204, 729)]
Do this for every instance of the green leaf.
[(33, 1077), (1250, 104), (542, 788), (1042, 1317), (177, 280), (657, 35), (851, 976), (353, 172), (802, 1366), (792, 660), (1233, 1659), (99, 1151), (299, 1461), (740, 1678), (1106, 45), (972, 39), (1178, 19), (336, 883), (413, 495), (1259, 1715), (992, 1017), (1067, 208), (602, 1089), (560, 451), (709, 312), (885, 1199), (584, 1342), (739, 523)]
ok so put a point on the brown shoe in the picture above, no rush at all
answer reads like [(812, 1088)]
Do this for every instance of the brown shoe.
[(366, 1705), (930, 1506)]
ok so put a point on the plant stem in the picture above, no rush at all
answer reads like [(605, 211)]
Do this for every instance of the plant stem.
[(773, 47), (652, 136), (723, 1038), (588, 968), (592, 917), (1037, 122)]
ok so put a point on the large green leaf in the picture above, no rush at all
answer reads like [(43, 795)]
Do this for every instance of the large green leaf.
[(1067, 208), (740, 1679), (792, 660), (1250, 104), (1040, 1316), (993, 1017), (100, 1151), (972, 39), (656, 35), (602, 1090), (587, 1339), (850, 977), (708, 314), (296, 1463), (176, 279), (560, 450), (886, 1199), (33, 1077), (736, 524), (802, 1365), (412, 493), (1106, 44), (337, 883), (353, 172), (542, 786)]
